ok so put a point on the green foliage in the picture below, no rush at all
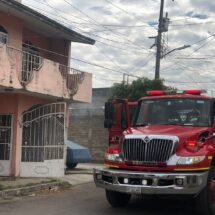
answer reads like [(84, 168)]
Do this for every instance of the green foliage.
[(137, 88)]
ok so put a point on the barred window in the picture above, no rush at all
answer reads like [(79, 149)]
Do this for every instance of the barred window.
[(5, 136)]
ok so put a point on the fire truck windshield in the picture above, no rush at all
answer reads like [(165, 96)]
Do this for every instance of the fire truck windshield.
[(180, 111)]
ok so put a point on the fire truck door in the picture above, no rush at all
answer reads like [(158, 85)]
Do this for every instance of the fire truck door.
[(118, 114)]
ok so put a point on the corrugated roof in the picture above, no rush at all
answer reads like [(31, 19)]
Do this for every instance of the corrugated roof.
[(40, 23)]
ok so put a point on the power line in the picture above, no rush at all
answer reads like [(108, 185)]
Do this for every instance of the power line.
[(90, 33), (145, 26), (200, 23), (127, 72), (185, 67), (187, 18), (87, 62), (199, 41), (125, 11), (95, 21), (203, 45), (103, 67), (80, 60), (47, 4), (148, 58), (110, 40)]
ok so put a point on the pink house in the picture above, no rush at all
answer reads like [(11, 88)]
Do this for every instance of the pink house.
[(36, 86)]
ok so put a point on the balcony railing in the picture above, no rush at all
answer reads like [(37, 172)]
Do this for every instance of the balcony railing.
[(33, 72), (31, 62), (73, 78)]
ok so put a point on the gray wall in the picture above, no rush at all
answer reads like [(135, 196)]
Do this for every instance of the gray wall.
[(87, 124)]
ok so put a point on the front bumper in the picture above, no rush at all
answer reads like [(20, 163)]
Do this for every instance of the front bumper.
[(150, 182)]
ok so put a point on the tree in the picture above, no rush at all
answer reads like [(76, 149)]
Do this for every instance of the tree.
[(136, 89)]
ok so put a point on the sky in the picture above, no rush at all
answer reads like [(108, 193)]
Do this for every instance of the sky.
[(122, 29)]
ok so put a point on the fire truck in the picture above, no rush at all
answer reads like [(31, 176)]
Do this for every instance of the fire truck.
[(162, 145)]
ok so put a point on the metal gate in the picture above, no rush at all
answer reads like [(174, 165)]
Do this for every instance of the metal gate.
[(43, 141), (5, 144)]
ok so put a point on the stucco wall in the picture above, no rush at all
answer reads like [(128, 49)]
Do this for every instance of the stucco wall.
[(84, 93), (16, 104), (14, 27), (47, 45)]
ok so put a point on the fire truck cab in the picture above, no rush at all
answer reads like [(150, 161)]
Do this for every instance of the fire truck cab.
[(164, 144)]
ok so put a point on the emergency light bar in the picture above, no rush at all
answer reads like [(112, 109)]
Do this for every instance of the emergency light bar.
[(156, 93), (169, 92)]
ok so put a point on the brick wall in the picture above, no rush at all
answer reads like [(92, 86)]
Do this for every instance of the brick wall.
[(87, 124)]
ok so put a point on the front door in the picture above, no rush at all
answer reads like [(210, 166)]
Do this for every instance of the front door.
[(43, 141), (5, 144)]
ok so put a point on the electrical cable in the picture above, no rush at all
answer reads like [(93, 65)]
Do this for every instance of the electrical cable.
[(89, 33), (95, 21)]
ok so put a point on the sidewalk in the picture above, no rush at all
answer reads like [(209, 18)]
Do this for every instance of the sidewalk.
[(10, 187), (83, 173)]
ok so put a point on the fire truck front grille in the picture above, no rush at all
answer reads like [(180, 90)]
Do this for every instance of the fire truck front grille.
[(153, 151)]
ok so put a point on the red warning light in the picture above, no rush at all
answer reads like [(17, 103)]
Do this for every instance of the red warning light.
[(193, 92), (156, 93)]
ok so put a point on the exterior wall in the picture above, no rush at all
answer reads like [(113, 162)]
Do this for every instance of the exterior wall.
[(16, 104), (87, 124), (14, 27), (49, 81), (62, 47), (48, 45), (84, 93), (44, 81), (11, 66)]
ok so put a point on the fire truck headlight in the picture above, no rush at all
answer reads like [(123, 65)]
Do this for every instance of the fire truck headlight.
[(113, 157), (190, 160)]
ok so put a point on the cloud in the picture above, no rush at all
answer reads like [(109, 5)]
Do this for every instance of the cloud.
[(101, 10), (122, 29), (199, 16)]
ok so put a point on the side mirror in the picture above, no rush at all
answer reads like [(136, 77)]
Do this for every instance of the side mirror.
[(109, 110)]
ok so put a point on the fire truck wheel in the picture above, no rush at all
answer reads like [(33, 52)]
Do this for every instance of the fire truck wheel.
[(205, 201), (117, 199)]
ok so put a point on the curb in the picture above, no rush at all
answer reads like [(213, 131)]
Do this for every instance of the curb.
[(23, 191)]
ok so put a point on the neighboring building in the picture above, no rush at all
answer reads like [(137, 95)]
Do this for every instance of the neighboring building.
[(87, 124), (36, 86)]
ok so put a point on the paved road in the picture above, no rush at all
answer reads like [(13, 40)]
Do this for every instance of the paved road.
[(88, 200)]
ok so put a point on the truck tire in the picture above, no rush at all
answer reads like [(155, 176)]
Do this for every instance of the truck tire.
[(205, 201), (117, 199)]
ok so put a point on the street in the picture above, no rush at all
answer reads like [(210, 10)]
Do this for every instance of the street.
[(86, 199)]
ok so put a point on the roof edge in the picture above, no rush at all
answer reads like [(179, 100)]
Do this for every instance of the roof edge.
[(19, 6)]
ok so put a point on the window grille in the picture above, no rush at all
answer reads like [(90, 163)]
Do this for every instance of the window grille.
[(43, 133), (5, 136)]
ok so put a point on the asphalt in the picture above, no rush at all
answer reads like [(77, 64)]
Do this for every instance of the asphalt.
[(13, 187)]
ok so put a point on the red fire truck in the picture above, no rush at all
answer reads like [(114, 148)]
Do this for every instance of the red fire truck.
[(164, 144)]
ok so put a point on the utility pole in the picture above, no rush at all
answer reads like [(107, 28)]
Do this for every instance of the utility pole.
[(158, 42), (162, 27)]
